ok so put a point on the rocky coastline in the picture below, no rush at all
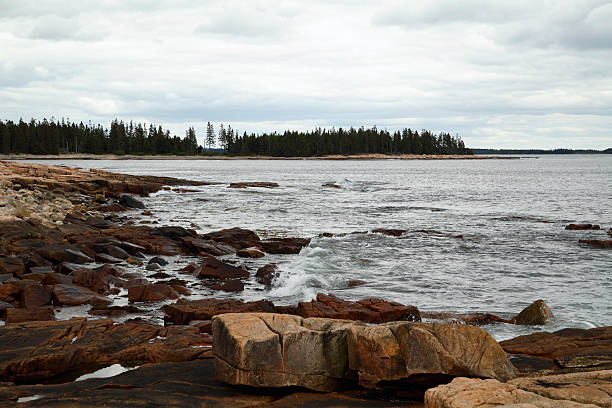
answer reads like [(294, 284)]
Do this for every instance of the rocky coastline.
[(68, 244)]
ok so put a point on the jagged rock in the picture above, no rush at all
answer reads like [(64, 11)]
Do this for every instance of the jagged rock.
[(250, 253), (12, 265), (71, 295), (273, 350), (266, 274), (153, 267), (97, 281), (574, 390), (106, 258), (212, 268), (207, 246), (64, 253), (127, 200), (151, 293), (176, 232), (355, 282), (537, 313), (332, 185)]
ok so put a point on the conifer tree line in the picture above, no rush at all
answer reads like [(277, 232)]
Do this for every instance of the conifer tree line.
[(320, 142), (56, 137)]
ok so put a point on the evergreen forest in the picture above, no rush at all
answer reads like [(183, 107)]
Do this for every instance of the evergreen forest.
[(61, 137)]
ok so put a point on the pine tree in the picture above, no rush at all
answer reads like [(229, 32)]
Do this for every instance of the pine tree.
[(210, 135)]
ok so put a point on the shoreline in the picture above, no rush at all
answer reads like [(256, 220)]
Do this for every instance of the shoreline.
[(222, 157), (68, 221)]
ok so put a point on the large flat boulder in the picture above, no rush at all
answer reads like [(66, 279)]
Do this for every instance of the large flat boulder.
[(185, 311), (577, 390), (213, 268), (238, 238), (274, 350), (399, 350)]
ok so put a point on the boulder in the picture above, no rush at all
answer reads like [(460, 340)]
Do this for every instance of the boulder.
[(184, 311), (175, 232), (151, 293), (29, 315), (537, 313), (284, 245), (13, 265), (366, 310), (235, 237), (266, 274), (398, 350), (107, 259), (272, 350), (96, 280), (582, 227), (473, 392), (250, 253), (207, 246), (64, 253), (232, 285), (130, 201), (33, 294), (213, 268), (355, 282), (72, 295), (158, 260)]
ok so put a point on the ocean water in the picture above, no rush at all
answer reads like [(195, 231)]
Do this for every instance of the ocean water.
[(511, 214)]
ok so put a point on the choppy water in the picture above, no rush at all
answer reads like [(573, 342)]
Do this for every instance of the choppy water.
[(511, 213)]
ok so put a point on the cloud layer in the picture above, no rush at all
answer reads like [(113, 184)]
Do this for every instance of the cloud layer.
[(501, 74)]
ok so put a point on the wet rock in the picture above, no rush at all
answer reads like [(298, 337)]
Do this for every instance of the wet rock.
[(157, 260), (355, 282), (130, 201), (161, 275), (235, 237), (260, 184), (212, 268), (581, 227), (272, 350), (285, 245), (41, 269), (96, 280), (72, 295), (113, 311), (3, 307), (250, 253), (476, 319), (176, 232), (151, 293), (184, 311), (189, 268), (331, 185), (153, 267), (43, 350), (366, 310), (181, 289), (106, 258), (204, 326), (232, 285), (569, 348), (134, 261), (537, 313), (33, 294), (266, 274), (132, 249), (14, 315), (597, 243), (12, 265), (207, 246), (64, 253), (68, 268), (390, 232), (116, 252)]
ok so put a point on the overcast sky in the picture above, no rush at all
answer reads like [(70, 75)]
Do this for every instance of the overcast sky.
[(535, 74)]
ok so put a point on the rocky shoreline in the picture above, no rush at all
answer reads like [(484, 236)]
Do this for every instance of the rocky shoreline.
[(67, 242)]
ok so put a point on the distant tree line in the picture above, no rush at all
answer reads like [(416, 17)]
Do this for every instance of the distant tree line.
[(320, 142), (56, 137)]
